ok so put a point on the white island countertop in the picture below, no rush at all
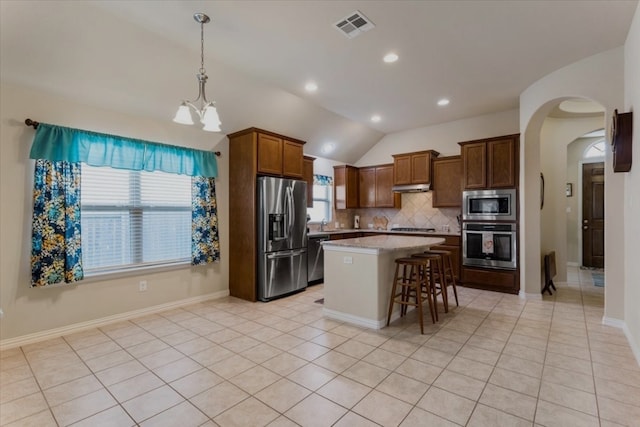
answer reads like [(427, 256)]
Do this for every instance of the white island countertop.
[(380, 243)]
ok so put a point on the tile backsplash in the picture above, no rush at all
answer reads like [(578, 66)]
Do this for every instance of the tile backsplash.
[(416, 212)]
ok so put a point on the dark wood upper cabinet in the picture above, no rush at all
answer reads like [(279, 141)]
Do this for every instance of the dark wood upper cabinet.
[(367, 187), (345, 187), (269, 154), (385, 197), (371, 186), (413, 168), (292, 159), (447, 182), (490, 163), (307, 173), (474, 165), (501, 156), (279, 156)]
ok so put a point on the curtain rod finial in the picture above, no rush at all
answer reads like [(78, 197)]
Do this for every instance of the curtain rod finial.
[(30, 122)]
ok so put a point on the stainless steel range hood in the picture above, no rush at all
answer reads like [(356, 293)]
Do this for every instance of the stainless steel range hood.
[(411, 188)]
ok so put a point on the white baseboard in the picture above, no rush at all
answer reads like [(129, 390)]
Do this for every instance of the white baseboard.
[(522, 294), (616, 323), (635, 347), (96, 323), (356, 320)]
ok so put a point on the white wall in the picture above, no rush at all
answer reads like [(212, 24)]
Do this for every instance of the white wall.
[(31, 310), (443, 138), (632, 188), (555, 136), (323, 166)]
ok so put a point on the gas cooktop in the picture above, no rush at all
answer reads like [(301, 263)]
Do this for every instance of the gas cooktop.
[(423, 230)]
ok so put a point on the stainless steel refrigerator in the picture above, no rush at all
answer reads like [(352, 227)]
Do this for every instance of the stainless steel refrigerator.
[(282, 237)]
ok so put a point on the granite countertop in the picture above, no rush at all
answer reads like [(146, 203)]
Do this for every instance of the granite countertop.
[(383, 243), (370, 230)]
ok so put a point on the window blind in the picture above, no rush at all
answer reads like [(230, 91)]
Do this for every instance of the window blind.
[(133, 219)]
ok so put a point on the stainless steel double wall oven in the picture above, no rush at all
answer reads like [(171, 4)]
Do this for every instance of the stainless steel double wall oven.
[(489, 228)]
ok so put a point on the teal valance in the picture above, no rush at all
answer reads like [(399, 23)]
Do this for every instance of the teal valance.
[(322, 180), (58, 143)]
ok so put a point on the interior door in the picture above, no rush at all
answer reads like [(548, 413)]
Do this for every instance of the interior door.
[(593, 215)]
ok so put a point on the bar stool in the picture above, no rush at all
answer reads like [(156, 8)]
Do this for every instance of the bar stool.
[(449, 277), (410, 281), (433, 272)]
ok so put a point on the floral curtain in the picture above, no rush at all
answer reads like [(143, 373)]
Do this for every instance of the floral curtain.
[(205, 243), (56, 253)]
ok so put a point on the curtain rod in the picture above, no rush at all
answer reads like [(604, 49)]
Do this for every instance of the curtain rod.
[(35, 125)]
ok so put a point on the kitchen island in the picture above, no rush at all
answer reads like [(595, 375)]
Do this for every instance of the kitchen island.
[(358, 275)]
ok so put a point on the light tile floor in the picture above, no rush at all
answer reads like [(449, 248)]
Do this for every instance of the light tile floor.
[(496, 360)]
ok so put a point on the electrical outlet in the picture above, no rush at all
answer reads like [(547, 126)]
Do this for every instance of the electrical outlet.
[(347, 260), (142, 286), (1, 313)]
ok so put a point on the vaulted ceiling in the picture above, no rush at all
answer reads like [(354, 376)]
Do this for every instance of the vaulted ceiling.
[(141, 57)]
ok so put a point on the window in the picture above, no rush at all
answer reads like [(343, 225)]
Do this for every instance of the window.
[(322, 189), (595, 150), (133, 218)]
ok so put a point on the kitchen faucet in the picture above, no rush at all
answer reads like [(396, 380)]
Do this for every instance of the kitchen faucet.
[(322, 224)]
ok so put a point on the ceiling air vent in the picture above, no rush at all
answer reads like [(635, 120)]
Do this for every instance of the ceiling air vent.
[(354, 24)]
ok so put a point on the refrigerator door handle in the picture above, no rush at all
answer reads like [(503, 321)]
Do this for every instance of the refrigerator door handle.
[(286, 254), (291, 211)]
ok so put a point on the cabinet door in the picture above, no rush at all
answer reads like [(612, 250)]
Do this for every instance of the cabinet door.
[(501, 155), (447, 182), (269, 154), (292, 159), (345, 187), (352, 187), (385, 198), (367, 187), (474, 165), (421, 168), (307, 172), (402, 170)]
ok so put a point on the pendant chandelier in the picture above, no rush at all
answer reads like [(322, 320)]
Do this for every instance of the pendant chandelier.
[(205, 110)]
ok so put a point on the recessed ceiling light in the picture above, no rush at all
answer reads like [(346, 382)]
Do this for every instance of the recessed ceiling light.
[(442, 102), (376, 118), (390, 57), (311, 87)]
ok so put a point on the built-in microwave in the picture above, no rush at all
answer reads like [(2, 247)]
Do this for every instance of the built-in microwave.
[(489, 205)]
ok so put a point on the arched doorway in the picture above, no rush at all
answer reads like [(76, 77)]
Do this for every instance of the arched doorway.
[(548, 137), (597, 78)]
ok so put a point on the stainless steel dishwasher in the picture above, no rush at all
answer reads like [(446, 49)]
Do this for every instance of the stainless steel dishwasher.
[(315, 258)]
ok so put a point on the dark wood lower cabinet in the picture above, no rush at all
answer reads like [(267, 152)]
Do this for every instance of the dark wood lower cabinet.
[(507, 281), (346, 235)]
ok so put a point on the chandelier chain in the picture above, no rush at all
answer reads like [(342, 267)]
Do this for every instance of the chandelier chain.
[(202, 70)]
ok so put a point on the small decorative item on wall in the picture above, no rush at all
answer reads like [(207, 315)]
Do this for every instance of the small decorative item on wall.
[(621, 140), (541, 191), (569, 189)]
